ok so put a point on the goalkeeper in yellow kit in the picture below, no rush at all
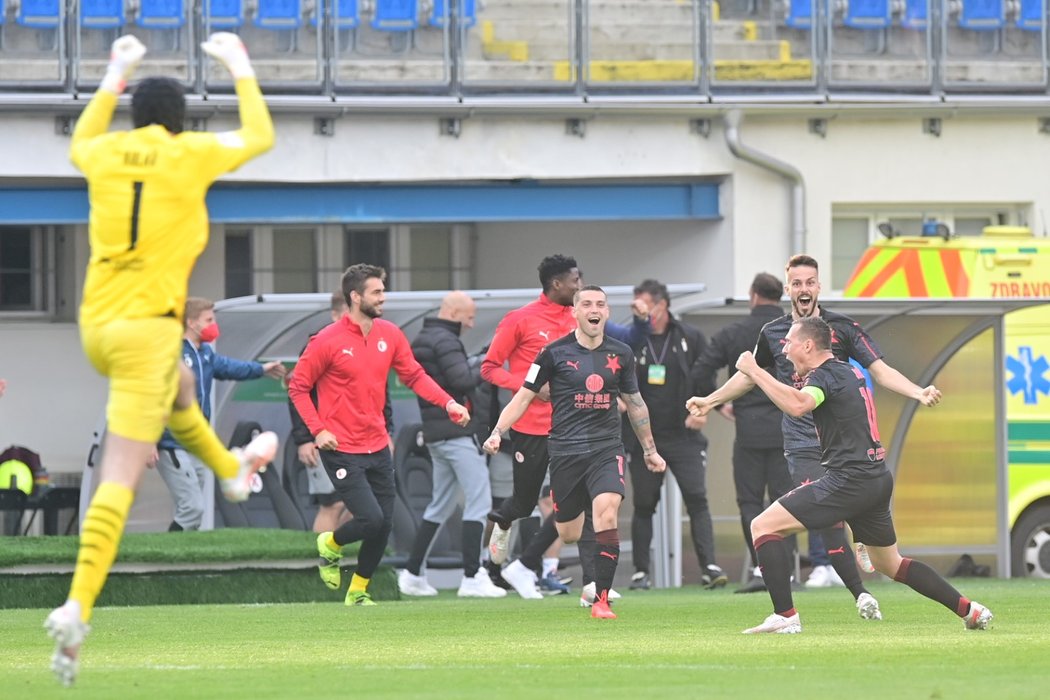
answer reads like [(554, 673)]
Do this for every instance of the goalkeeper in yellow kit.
[(147, 226)]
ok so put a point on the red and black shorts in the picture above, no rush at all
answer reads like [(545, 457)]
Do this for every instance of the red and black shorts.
[(860, 498), (577, 479)]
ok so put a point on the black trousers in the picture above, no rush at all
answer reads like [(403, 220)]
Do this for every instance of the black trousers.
[(756, 472), (687, 460), (365, 483), (530, 469)]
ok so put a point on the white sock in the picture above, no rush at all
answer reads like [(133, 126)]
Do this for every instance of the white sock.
[(550, 564)]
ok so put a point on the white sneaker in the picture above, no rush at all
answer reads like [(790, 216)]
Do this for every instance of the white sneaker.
[(868, 607), (589, 592), (978, 617), (863, 560), (820, 577), (480, 586), (834, 578), (522, 578), (254, 457), (66, 628), (499, 543), (410, 584), (778, 624)]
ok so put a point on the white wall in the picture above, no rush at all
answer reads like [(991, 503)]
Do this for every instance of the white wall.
[(55, 398)]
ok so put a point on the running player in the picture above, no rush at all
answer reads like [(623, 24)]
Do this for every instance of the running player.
[(585, 373), (857, 487)]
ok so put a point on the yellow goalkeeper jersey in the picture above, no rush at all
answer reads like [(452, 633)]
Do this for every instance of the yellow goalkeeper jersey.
[(146, 187)]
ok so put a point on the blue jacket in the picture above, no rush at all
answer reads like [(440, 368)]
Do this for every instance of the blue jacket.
[(208, 365)]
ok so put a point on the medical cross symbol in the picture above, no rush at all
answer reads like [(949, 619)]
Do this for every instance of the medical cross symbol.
[(1029, 375)]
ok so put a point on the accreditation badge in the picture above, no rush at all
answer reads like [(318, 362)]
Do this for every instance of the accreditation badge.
[(657, 374)]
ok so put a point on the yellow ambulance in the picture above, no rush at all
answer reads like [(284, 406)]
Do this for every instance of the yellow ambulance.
[(1004, 262)]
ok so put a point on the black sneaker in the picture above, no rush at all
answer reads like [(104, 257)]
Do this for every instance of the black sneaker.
[(713, 577), (640, 581), (755, 585), (497, 577)]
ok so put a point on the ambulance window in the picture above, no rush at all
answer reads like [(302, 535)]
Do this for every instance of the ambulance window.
[(971, 225), (849, 239)]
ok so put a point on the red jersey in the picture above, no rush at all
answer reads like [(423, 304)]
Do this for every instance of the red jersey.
[(519, 338), (350, 373)]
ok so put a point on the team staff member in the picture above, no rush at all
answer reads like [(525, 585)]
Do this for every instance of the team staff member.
[(801, 442), (147, 225), (758, 446), (857, 487), (185, 476), (585, 374), (331, 513), (348, 362), (666, 367)]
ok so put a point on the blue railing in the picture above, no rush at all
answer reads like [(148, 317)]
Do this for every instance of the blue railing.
[(441, 48)]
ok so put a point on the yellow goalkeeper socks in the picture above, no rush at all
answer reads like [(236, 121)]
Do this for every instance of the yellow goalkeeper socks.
[(99, 539), (358, 584), (191, 430)]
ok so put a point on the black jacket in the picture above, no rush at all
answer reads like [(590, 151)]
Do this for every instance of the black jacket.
[(757, 418), (686, 344), (438, 348)]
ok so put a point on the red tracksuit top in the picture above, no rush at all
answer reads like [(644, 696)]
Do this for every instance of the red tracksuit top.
[(350, 372), (519, 338)]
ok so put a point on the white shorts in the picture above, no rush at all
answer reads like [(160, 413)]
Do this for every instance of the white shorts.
[(318, 482)]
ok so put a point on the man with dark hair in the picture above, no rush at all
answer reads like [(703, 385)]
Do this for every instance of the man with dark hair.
[(801, 442), (348, 362), (331, 513), (585, 374), (666, 367), (186, 476), (758, 448), (857, 486), (148, 224), (519, 337)]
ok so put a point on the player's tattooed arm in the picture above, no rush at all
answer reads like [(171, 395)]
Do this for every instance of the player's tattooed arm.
[(638, 413)]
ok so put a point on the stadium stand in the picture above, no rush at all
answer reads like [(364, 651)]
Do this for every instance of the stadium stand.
[(223, 14)]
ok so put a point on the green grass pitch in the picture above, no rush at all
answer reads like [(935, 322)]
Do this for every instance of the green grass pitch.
[(666, 644)]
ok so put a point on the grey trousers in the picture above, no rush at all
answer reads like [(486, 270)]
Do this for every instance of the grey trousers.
[(192, 487)]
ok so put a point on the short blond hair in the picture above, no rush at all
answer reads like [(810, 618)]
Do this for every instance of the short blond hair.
[(195, 306)]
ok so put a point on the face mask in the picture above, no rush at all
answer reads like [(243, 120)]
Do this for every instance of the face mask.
[(209, 333)]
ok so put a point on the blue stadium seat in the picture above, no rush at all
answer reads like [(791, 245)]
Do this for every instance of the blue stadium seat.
[(983, 15), (468, 15), (39, 14), (102, 14), (347, 18), (223, 14), (868, 14), (1030, 15), (915, 14), (279, 14), (396, 15), (161, 14), (347, 15), (800, 14)]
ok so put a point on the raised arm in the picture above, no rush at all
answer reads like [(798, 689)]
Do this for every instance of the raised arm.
[(893, 380), (124, 57), (787, 398), (736, 386)]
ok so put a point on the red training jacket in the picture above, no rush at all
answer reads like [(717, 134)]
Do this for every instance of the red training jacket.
[(350, 372), (519, 338)]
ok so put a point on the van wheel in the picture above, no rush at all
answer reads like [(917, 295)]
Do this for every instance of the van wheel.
[(1030, 543)]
